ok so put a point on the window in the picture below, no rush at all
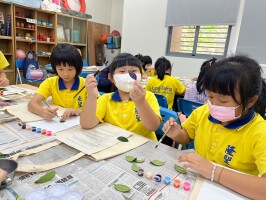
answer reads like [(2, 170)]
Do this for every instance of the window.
[(198, 41)]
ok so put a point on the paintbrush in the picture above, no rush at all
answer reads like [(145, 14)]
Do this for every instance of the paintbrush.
[(95, 74), (160, 141), (61, 120)]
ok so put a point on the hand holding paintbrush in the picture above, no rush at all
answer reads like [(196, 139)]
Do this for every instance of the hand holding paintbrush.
[(95, 74)]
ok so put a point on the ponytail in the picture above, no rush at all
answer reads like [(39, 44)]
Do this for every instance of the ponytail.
[(161, 66)]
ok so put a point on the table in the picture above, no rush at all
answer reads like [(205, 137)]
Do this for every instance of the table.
[(96, 179)]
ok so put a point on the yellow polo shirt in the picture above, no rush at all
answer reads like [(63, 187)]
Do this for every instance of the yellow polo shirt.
[(152, 73), (62, 96), (111, 109), (240, 145), (3, 62), (168, 87)]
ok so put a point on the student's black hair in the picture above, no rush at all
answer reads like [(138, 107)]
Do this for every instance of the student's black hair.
[(238, 73), (64, 54), (124, 59), (146, 60), (161, 65), (204, 68)]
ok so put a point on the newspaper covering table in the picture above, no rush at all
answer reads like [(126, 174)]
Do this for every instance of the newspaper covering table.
[(96, 179)]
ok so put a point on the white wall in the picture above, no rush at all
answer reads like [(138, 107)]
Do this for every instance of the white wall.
[(100, 10), (144, 31), (117, 15)]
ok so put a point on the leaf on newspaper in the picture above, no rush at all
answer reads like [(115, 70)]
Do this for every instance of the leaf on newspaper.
[(135, 168), (180, 169), (140, 161), (126, 198), (122, 139), (46, 177), (131, 158), (157, 163), (122, 188)]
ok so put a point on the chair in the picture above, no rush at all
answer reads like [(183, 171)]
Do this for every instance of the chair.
[(165, 114), (19, 65), (187, 106), (49, 69), (162, 101), (85, 63), (101, 93)]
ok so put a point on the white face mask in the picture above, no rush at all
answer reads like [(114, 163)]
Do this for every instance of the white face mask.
[(124, 82)]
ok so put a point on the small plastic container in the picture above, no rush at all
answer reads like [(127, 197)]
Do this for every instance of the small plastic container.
[(53, 198), (39, 194), (58, 189)]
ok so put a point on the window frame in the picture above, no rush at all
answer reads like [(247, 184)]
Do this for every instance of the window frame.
[(193, 54)]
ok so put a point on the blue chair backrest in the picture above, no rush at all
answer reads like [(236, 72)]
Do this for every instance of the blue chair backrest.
[(187, 106), (85, 63), (166, 114), (19, 64), (101, 93), (162, 101)]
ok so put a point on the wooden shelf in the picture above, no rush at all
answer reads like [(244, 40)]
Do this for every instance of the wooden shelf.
[(44, 42), (7, 54), (23, 40), (5, 37), (29, 29), (45, 27)]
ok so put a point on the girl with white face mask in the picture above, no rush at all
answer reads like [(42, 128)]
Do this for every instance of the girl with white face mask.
[(130, 107), (229, 130)]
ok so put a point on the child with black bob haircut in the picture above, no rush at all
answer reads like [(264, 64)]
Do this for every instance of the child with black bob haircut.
[(67, 64), (227, 131), (130, 107)]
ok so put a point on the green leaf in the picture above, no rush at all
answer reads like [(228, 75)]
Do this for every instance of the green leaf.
[(157, 163), (131, 158), (126, 198), (135, 168), (122, 188), (46, 177), (140, 161), (180, 169), (122, 139)]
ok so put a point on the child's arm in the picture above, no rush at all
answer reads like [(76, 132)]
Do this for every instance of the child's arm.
[(176, 133), (149, 118), (88, 117), (250, 186), (35, 107)]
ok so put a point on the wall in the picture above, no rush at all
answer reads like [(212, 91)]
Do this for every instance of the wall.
[(117, 15), (100, 11), (144, 31)]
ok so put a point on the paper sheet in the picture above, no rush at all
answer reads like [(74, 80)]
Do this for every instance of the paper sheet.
[(134, 141), (93, 140), (55, 125), (21, 112)]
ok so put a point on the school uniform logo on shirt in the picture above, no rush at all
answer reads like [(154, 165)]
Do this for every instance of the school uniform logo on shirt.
[(79, 102), (137, 116), (161, 89), (229, 154)]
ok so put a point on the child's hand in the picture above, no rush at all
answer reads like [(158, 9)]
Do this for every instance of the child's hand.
[(49, 113), (197, 163), (91, 85), (138, 93), (69, 113), (4, 81), (174, 131), (3, 175)]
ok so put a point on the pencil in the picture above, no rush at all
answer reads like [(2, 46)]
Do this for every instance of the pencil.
[(50, 107), (95, 74)]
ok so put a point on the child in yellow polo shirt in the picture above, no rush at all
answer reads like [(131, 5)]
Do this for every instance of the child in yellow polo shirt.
[(130, 107), (164, 83), (3, 64), (67, 63), (229, 130)]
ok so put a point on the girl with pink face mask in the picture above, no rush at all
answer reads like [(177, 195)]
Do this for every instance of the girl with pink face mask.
[(229, 131), (130, 107)]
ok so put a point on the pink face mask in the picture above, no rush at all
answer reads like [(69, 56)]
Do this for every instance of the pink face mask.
[(223, 114)]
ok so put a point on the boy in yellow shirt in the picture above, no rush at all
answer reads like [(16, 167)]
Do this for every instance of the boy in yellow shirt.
[(67, 63), (130, 107), (3, 64)]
